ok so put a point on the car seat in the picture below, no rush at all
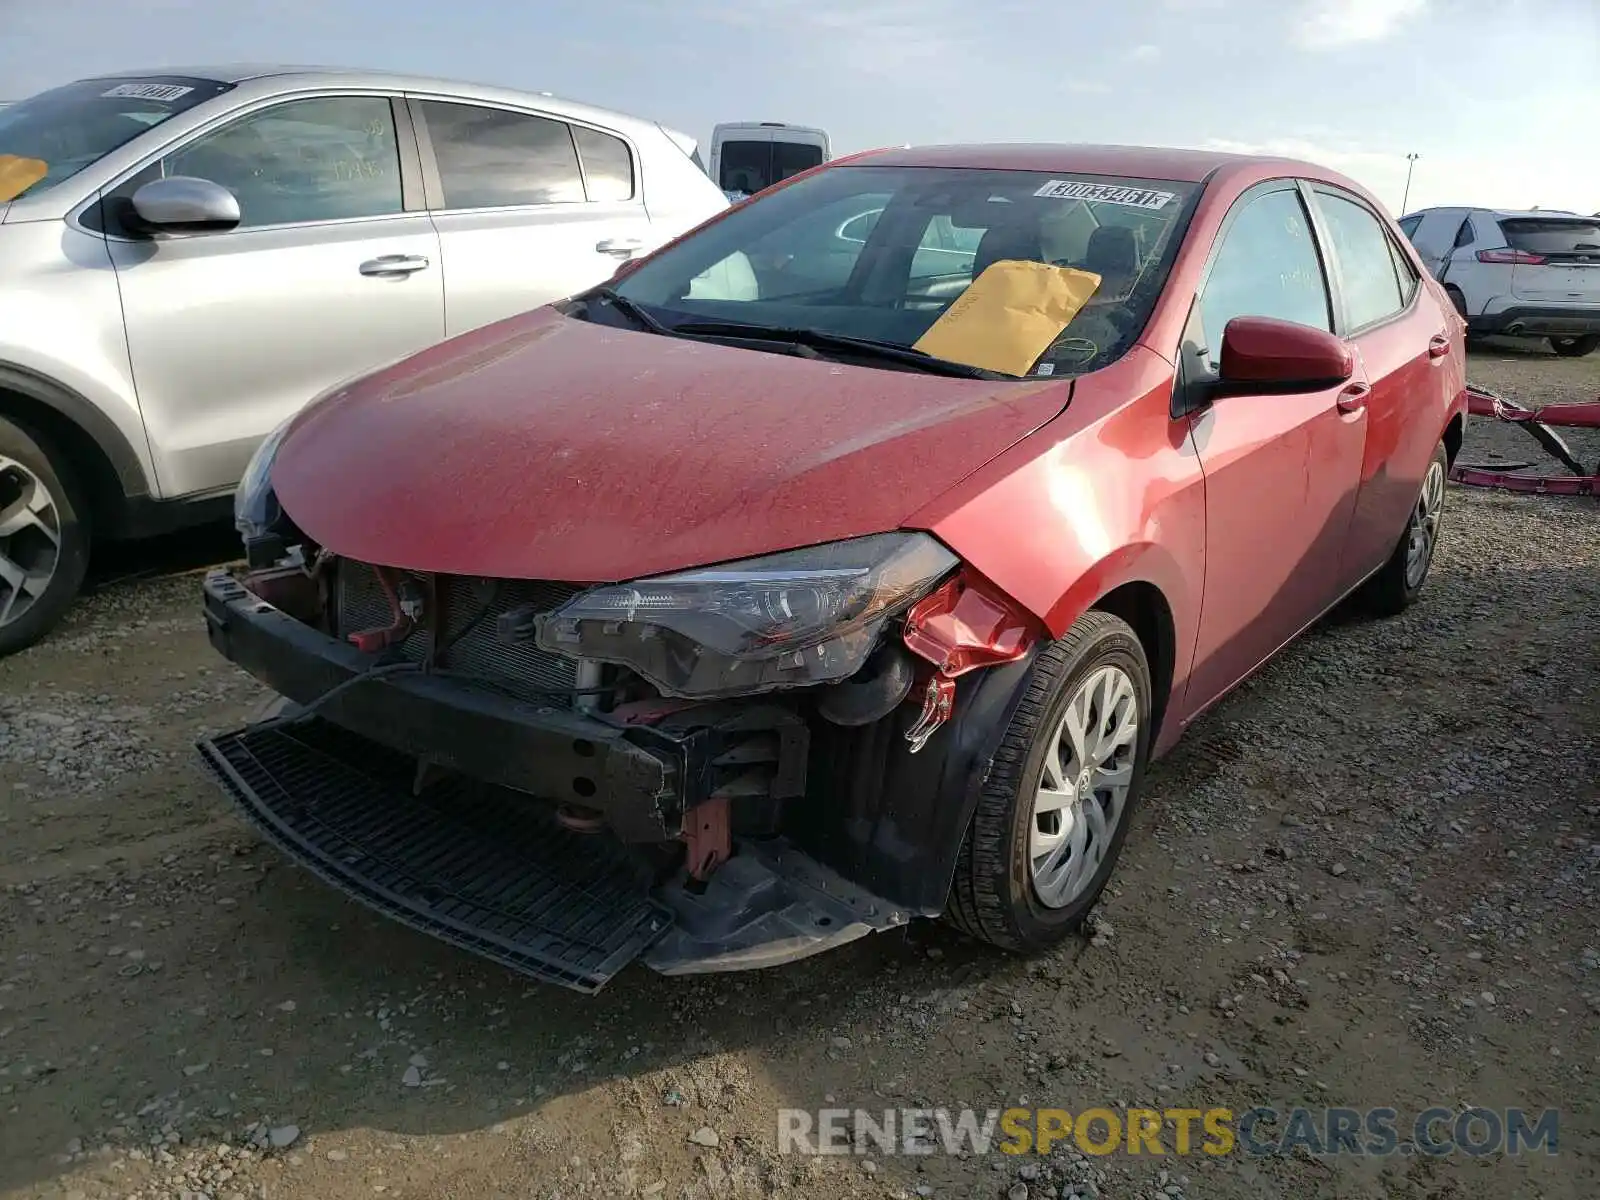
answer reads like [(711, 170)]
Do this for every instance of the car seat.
[(1017, 241), (1112, 254)]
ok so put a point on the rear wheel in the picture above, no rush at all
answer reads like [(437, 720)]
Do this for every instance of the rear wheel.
[(1398, 583), (1054, 812), (44, 537), (1575, 347)]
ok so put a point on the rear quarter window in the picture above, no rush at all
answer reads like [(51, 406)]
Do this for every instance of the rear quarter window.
[(607, 164)]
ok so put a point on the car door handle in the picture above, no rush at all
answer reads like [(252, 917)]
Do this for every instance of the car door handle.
[(394, 264), (1353, 397), (620, 247), (1438, 346)]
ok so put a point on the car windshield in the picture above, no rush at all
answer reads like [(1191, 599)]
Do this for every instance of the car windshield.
[(52, 136), (881, 252)]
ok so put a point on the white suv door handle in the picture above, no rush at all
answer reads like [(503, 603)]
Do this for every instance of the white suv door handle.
[(394, 264), (620, 247)]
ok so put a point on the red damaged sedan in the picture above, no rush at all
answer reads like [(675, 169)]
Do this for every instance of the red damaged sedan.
[(843, 562)]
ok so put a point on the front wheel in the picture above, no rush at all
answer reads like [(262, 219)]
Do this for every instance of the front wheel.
[(1399, 581), (1054, 812), (1575, 347), (44, 540)]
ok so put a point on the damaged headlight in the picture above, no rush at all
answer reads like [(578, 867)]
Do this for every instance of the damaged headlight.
[(255, 504), (784, 620)]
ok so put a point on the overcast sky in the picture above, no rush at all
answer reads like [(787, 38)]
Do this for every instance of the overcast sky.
[(1501, 98)]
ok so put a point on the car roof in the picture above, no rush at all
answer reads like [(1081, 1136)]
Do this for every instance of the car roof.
[(1502, 213), (1141, 162), (334, 76), (1536, 213)]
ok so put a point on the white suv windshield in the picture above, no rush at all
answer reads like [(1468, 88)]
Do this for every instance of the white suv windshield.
[(68, 128), (880, 253)]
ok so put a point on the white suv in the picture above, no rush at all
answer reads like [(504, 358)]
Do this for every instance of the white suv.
[(1523, 274), (189, 256)]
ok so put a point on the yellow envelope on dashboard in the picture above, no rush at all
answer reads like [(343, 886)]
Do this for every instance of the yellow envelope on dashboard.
[(1009, 315), (18, 174)]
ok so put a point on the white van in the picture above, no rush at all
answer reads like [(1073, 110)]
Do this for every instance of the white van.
[(749, 156)]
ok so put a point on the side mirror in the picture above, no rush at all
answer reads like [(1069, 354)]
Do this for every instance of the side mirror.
[(1263, 354), (184, 204)]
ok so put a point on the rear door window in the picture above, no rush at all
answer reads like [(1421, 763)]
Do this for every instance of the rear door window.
[(1367, 279), (495, 158)]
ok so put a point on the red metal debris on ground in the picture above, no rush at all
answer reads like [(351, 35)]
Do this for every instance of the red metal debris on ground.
[(1581, 481)]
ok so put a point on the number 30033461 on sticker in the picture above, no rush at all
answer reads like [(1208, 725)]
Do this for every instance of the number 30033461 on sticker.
[(1105, 193)]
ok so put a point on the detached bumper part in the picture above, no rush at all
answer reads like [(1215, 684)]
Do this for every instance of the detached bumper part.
[(767, 905), (490, 871), (473, 865)]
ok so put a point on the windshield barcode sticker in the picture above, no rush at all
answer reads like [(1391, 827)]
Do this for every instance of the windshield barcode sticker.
[(1105, 193), (146, 91)]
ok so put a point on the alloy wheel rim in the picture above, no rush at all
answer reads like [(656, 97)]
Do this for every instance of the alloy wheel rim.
[(1423, 532), (1083, 788), (30, 539)]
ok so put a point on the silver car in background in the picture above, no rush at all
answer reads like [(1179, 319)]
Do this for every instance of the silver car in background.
[(187, 257), (1523, 274)]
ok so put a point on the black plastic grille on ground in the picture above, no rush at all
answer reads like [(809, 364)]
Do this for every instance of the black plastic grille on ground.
[(478, 866), (523, 669)]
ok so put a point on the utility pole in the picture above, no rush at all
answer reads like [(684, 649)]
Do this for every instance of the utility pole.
[(1411, 163)]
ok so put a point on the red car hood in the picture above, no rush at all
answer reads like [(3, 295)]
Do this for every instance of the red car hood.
[(546, 447)]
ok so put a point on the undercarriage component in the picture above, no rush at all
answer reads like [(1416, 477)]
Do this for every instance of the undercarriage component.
[(708, 836), (290, 588), (580, 820), (401, 623), (495, 872), (460, 631), (873, 692), (477, 866), (769, 904), (938, 702), (1538, 423)]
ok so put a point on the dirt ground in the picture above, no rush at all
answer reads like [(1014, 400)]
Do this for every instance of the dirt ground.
[(1369, 879)]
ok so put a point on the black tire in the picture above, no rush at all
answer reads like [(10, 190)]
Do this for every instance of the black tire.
[(1575, 347), (993, 896), (1393, 589), (24, 448)]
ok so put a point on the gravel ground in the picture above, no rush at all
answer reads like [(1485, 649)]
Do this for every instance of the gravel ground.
[(1368, 879)]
